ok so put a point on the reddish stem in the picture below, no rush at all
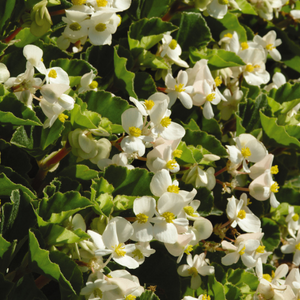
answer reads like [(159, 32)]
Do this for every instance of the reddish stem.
[(161, 89), (41, 281), (12, 36), (56, 158), (221, 171), (57, 12)]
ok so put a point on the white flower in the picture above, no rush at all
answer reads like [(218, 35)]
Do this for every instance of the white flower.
[(278, 80), (57, 75), (34, 56), (176, 88), (262, 166), (120, 159), (230, 41), (293, 246), (87, 83), (293, 221), (230, 106), (4, 73)]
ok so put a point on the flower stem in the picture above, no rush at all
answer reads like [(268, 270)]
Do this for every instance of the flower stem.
[(41, 281), (13, 35), (221, 171), (57, 12)]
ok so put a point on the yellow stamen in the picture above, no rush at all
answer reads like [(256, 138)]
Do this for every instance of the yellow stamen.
[(142, 218), (75, 26), (100, 27), (62, 117), (211, 97), (179, 88), (173, 189), (134, 131), (177, 153), (218, 81), (223, 2), (97, 293), (295, 217), (242, 251), (93, 85), (274, 187), (171, 164), (173, 44), (270, 47), (101, 3), (189, 211), (256, 66), (188, 249), (248, 201), (241, 214), (205, 297), (168, 216), (193, 271), (229, 35), (166, 121), (119, 249), (246, 152), (130, 297), (260, 249), (249, 68), (138, 253), (149, 104), (267, 277), (78, 2), (52, 74), (274, 170), (297, 246), (244, 45)]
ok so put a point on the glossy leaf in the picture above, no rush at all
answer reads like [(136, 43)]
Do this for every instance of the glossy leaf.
[(271, 238)]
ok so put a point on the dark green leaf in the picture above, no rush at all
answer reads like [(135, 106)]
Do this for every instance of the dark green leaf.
[(144, 85), (81, 172), (271, 238), (74, 67), (6, 253)]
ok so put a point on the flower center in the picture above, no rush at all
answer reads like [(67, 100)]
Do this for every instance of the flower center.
[(75, 26), (223, 2), (218, 81), (165, 122), (260, 249), (249, 68), (270, 47), (297, 246), (149, 104), (177, 153), (179, 88), (274, 170), (229, 35), (173, 189), (188, 249), (244, 45), (246, 152), (274, 187), (134, 131), (52, 74), (193, 271), (93, 85), (295, 217), (241, 214), (100, 27), (168, 216), (142, 218), (242, 251), (173, 44), (62, 117), (78, 2), (267, 277), (130, 297), (171, 164), (189, 211), (97, 293), (101, 3), (138, 253), (119, 249), (211, 97)]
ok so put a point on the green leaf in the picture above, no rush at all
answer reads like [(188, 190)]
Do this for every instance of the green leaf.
[(50, 135), (6, 12), (6, 287), (123, 202), (215, 288), (193, 30), (106, 105), (207, 201), (18, 216), (148, 60), (271, 238), (6, 253), (15, 112), (104, 204), (39, 261), (240, 277), (146, 33), (229, 22), (124, 79), (79, 172), (128, 182), (61, 206), (100, 186), (148, 295), (207, 141), (277, 134), (246, 7), (74, 67), (287, 92), (25, 37), (217, 58), (187, 156), (8, 186), (144, 85), (80, 117), (232, 292)]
